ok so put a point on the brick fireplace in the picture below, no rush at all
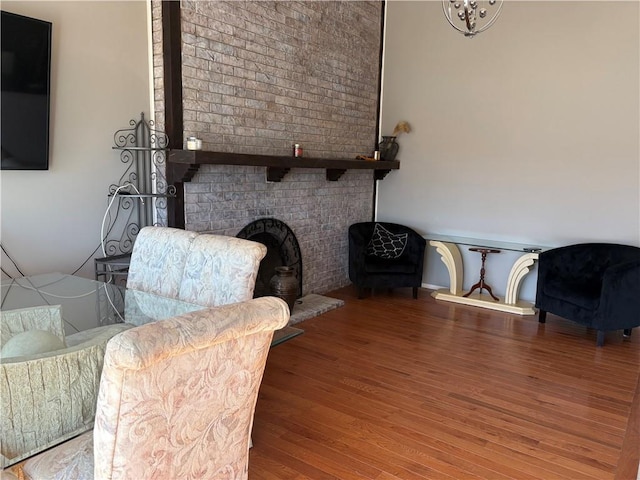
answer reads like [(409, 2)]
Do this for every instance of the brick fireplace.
[(258, 76), (224, 199)]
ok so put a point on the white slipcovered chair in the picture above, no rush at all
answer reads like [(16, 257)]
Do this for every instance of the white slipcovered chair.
[(176, 400), (47, 318), (48, 382)]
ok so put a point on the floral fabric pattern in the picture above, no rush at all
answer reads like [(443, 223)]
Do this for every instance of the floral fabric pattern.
[(73, 461), (177, 396), (158, 260), (221, 270), (209, 270), (143, 307)]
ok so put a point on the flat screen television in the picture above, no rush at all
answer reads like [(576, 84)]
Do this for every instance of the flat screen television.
[(25, 92)]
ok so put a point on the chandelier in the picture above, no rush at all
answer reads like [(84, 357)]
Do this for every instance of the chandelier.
[(475, 15)]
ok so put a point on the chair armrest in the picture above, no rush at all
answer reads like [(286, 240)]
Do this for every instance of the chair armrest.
[(359, 237), (361, 233), (141, 346), (416, 245), (52, 395), (625, 275), (620, 297), (549, 263)]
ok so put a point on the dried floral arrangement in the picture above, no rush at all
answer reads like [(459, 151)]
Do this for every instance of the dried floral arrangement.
[(401, 127)]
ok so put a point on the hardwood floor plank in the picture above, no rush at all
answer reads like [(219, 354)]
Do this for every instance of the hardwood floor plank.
[(394, 388), (418, 409), (507, 431), (629, 461), (353, 426), (400, 415), (377, 455)]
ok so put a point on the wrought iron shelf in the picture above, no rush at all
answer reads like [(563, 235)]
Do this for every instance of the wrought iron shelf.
[(141, 149), (141, 194), (144, 195), (184, 164)]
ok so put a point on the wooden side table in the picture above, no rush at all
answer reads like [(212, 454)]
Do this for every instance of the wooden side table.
[(481, 283)]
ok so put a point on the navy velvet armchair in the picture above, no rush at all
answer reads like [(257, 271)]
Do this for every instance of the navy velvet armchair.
[(385, 255), (594, 284)]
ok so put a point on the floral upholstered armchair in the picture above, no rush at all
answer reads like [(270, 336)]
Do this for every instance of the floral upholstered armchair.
[(205, 269), (176, 400)]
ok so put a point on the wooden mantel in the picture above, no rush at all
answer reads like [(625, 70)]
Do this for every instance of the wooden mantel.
[(183, 164)]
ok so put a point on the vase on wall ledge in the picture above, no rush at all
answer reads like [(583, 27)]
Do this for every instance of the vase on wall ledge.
[(388, 148), (284, 285)]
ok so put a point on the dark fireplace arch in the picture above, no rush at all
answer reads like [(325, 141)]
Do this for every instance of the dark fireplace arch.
[(283, 249)]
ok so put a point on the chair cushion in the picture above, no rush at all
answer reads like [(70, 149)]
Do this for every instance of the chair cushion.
[(31, 342), (374, 264), (385, 244), (72, 459), (47, 318), (580, 292)]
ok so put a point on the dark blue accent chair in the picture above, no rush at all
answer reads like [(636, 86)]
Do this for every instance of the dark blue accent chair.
[(369, 271), (594, 284)]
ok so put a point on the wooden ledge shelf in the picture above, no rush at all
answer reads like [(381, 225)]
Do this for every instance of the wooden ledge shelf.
[(185, 163)]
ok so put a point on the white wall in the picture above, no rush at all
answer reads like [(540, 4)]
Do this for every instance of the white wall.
[(99, 81), (528, 132)]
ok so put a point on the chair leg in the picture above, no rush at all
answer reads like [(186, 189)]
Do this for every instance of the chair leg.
[(415, 293), (626, 333), (600, 338), (542, 316)]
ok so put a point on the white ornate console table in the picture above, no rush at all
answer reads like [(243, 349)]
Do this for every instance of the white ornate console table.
[(447, 247)]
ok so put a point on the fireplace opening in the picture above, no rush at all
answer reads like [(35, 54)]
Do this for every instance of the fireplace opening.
[(283, 249)]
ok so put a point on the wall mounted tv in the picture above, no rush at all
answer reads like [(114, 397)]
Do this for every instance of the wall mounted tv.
[(25, 95)]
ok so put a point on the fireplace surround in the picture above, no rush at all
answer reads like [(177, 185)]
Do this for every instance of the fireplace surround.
[(283, 249), (224, 199)]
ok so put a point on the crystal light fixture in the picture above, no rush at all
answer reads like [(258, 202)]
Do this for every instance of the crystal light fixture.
[(475, 16)]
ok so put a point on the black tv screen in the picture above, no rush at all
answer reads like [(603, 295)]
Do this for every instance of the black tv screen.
[(26, 67)]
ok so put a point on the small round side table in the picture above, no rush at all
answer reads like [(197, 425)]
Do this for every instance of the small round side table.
[(481, 284)]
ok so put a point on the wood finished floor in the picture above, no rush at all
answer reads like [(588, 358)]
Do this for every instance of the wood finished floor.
[(394, 388)]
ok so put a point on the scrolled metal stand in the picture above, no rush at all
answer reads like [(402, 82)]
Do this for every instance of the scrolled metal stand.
[(141, 193)]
